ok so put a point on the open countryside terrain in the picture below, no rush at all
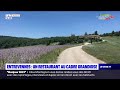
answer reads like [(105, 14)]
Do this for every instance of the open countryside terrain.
[(76, 55), (108, 51), (43, 50), (31, 54)]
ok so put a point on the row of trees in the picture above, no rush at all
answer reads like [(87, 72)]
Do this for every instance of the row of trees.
[(113, 33), (9, 42), (95, 33)]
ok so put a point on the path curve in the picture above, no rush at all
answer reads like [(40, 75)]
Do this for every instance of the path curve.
[(76, 55)]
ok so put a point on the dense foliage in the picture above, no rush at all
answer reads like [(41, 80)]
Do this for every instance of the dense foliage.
[(10, 42), (113, 33)]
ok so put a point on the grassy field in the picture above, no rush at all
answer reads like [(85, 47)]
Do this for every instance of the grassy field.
[(108, 51), (50, 57)]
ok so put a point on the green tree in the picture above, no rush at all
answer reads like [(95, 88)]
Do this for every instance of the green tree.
[(72, 38), (85, 33), (113, 32), (95, 33)]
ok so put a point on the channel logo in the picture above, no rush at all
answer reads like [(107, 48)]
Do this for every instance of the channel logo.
[(11, 16)]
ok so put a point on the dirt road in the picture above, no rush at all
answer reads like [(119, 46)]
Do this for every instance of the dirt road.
[(76, 55)]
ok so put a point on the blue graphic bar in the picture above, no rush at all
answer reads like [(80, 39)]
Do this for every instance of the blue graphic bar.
[(109, 66)]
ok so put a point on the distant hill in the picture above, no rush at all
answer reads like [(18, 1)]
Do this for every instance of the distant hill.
[(10, 42)]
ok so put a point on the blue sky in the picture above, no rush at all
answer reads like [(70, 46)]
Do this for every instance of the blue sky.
[(37, 24)]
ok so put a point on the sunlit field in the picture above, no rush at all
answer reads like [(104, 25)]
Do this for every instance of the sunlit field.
[(30, 54), (108, 51)]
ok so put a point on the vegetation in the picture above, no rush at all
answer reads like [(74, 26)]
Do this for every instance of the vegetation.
[(113, 33), (38, 53), (96, 33), (108, 51), (50, 57), (10, 42)]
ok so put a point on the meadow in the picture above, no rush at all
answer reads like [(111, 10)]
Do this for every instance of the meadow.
[(108, 51), (31, 54)]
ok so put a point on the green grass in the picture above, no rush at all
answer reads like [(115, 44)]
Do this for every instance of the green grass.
[(50, 57), (107, 51), (2, 64)]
